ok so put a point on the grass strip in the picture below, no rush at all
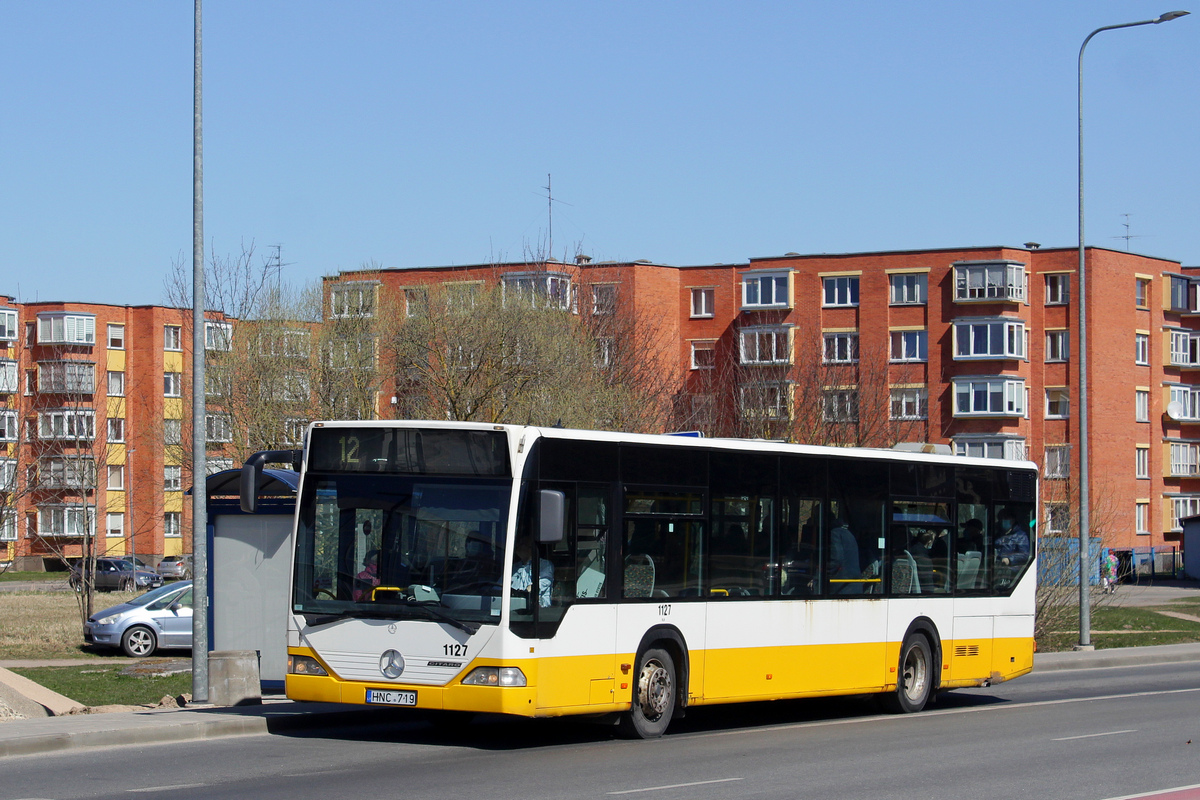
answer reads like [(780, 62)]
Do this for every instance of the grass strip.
[(103, 685)]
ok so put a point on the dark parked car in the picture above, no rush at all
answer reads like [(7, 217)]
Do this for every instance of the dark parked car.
[(176, 568), (156, 620), (115, 574)]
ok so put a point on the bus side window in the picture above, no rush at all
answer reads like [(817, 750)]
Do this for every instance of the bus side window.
[(591, 543)]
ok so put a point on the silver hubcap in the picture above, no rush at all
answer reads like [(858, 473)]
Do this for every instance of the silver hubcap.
[(654, 690), (139, 642), (916, 674)]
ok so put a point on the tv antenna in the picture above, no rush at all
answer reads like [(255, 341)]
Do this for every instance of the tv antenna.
[(1127, 236), (275, 263), (550, 201)]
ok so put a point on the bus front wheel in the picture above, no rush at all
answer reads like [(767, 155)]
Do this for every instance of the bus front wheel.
[(653, 696), (914, 684)]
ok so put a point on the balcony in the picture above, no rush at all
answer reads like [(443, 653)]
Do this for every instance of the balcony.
[(989, 282)]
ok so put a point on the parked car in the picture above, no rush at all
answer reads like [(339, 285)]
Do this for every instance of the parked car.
[(115, 574), (176, 568), (137, 563), (160, 619)]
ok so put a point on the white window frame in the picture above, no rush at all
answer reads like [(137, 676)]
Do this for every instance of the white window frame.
[(67, 472), (352, 299), (67, 424), (172, 478), (909, 346), (116, 336), (765, 345), (1058, 346), (1141, 292), (1057, 461), (116, 478), (8, 376), (218, 336), (604, 299), (115, 427), (709, 347), (1141, 518), (115, 383), (1058, 289), (66, 377), (1005, 396), (909, 403), (761, 290), (1185, 459), (294, 429), (172, 525), (1141, 462), (703, 302), (8, 324), (989, 338), (1058, 402), (769, 400), (990, 447), (1141, 405), (840, 348), (114, 525), (8, 425), (840, 291), (908, 288), (172, 338), (172, 431), (1188, 398), (997, 281), (8, 524), (218, 428), (172, 384), (552, 290), (8, 480), (1141, 349), (416, 301), (66, 521), (839, 405), (61, 328)]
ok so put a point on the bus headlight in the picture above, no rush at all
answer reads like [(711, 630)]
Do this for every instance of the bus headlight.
[(495, 676), (305, 665)]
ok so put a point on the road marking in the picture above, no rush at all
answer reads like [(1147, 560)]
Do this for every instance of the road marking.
[(169, 788), (676, 786), (1178, 793), (1092, 735)]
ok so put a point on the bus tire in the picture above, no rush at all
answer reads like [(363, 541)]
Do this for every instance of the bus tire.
[(914, 679), (653, 696)]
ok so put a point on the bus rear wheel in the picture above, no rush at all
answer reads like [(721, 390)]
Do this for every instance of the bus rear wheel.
[(914, 683), (653, 696)]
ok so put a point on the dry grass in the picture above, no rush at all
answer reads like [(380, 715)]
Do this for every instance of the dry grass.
[(46, 624)]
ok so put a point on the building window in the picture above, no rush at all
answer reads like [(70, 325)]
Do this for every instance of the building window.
[(116, 429), (910, 404), (352, 299), (1058, 461), (172, 478), (539, 290), (841, 291), (1141, 293), (1058, 345), (116, 337), (71, 424), (1141, 349), (1179, 293), (8, 376), (172, 527), (8, 526), (1141, 462), (604, 299), (214, 465), (172, 384), (766, 290), (8, 426), (910, 346), (115, 525), (1184, 403), (989, 397), (765, 400), (908, 289), (116, 477), (840, 405), (66, 329), (67, 473), (1141, 518), (293, 432), (116, 384), (66, 521), (704, 355), (1058, 403), (990, 447), (1058, 288), (703, 303), (1184, 459), (1185, 349), (765, 345), (416, 302), (172, 431), (1058, 518), (994, 338), (172, 338), (218, 428), (605, 352), (218, 336), (67, 377), (8, 481), (992, 281), (841, 348), (1141, 405), (8, 325)]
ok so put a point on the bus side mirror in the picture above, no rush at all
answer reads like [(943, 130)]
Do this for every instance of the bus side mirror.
[(252, 474), (552, 512)]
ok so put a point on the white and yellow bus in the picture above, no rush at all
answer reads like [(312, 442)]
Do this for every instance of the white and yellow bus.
[(545, 572)]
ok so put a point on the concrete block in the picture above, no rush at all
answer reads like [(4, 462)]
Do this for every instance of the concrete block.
[(233, 678), (31, 699)]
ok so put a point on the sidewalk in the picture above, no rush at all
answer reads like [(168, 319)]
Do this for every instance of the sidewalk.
[(153, 726)]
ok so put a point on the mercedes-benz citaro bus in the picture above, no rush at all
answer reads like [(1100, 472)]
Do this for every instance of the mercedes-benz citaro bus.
[(543, 572)]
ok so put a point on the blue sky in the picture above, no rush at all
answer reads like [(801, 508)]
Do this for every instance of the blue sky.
[(421, 133)]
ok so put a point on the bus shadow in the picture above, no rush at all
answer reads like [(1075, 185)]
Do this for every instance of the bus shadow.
[(493, 732)]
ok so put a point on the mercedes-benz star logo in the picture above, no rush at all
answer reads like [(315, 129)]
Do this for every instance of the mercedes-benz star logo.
[(391, 664)]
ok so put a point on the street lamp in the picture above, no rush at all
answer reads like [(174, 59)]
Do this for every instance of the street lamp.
[(1085, 612)]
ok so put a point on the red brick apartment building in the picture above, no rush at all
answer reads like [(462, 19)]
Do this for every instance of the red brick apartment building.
[(92, 420), (972, 347)]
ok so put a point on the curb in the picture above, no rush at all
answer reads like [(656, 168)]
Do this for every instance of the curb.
[(180, 731), (1117, 657)]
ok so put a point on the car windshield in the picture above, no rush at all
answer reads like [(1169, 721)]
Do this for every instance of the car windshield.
[(154, 594)]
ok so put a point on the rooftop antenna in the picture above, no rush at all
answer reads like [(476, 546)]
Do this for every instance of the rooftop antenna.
[(275, 262), (550, 201), (1127, 235)]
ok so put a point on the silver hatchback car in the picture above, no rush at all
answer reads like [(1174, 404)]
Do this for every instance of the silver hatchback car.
[(157, 620)]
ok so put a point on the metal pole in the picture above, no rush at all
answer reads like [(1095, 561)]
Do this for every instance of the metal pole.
[(199, 495), (1085, 611)]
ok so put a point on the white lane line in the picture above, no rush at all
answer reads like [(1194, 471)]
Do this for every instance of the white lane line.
[(169, 788), (676, 786), (1093, 735), (1159, 793)]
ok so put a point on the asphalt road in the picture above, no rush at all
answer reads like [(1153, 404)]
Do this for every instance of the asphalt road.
[(1075, 734)]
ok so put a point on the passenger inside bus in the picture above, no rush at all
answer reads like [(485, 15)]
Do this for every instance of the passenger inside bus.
[(522, 577)]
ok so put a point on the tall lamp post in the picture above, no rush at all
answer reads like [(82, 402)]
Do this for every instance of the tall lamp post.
[(1085, 612)]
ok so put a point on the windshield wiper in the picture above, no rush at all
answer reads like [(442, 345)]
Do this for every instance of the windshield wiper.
[(395, 612), (434, 611)]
